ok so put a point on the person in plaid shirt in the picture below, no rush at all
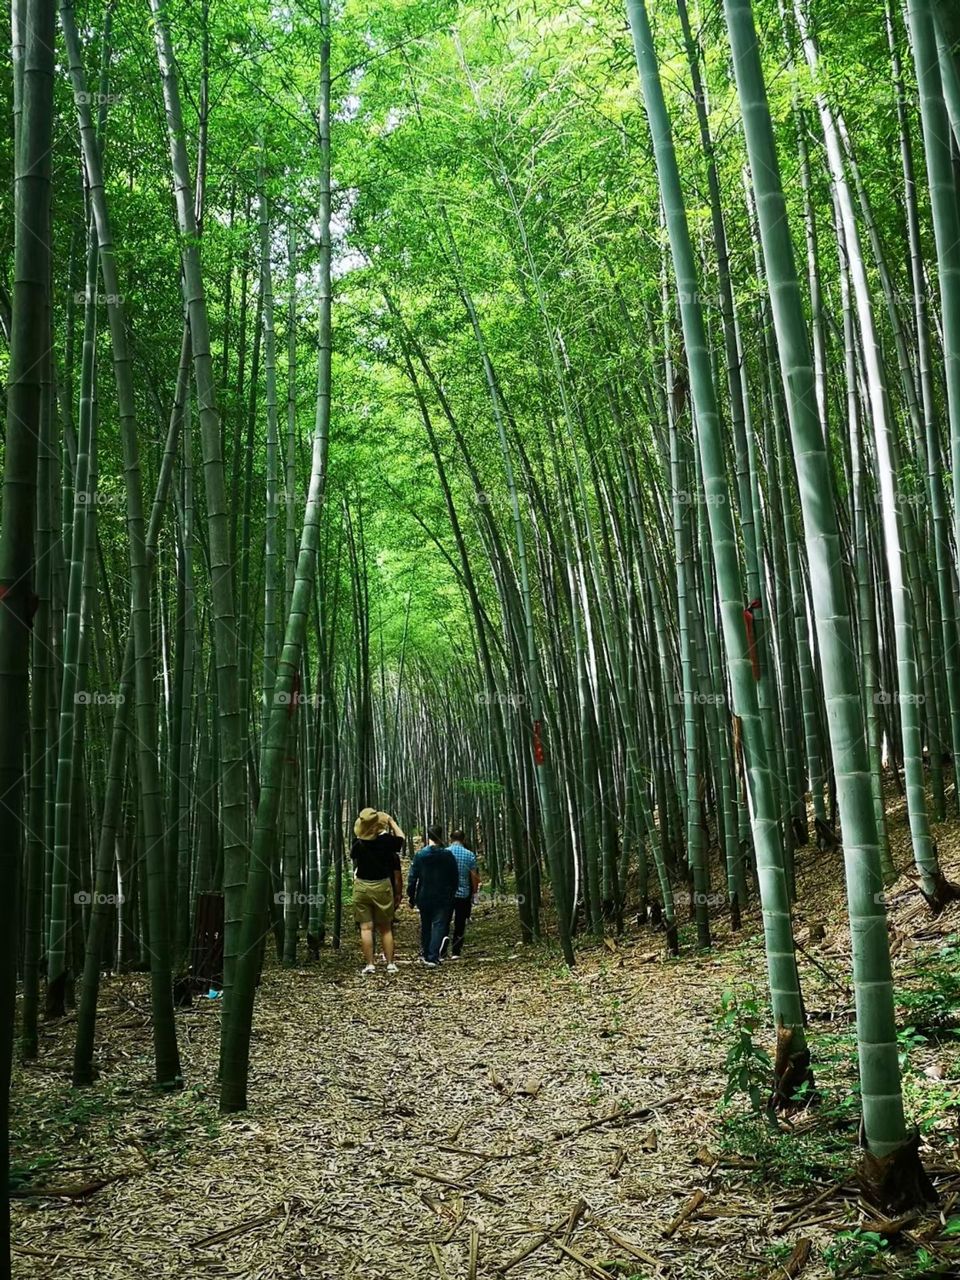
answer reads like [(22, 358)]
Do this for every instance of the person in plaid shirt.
[(467, 887)]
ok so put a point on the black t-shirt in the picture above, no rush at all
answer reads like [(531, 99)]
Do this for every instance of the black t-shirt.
[(377, 859)]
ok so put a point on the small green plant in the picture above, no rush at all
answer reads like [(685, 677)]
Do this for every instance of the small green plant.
[(749, 1068), (926, 1265), (907, 1040), (616, 1008), (774, 1155), (934, 1003), (778, 1251), (26, 1174), (596, 1087), (929, 1101), (855, 1253)]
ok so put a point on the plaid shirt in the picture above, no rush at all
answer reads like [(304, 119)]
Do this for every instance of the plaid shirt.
[(466, 862)]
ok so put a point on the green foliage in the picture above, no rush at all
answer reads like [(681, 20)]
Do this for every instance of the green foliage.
[(774, 1155), (929, 1101), (934, 1002), (927, 1265), (616, 1011), (749, 1068), (595, 1093), (480, 786), (30, 1173), (855, 1253), (778, 1251), (52, 1124), (771, 1152)]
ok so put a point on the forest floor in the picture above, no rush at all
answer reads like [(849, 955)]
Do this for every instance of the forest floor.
[(499, 1103)]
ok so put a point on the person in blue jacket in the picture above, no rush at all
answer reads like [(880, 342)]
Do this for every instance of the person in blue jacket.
[(431, 888)]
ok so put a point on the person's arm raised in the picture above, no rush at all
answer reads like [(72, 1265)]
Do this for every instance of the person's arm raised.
[(395, 827)]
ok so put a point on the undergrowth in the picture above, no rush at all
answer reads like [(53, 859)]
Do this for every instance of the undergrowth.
[(818, 1145), (52, 1125)]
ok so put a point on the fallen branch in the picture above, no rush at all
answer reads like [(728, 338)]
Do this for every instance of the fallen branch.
[(830, 977), (688, 1210), (55, 1253), (592, 1267), (576, 1213), (779, 1227), (228, 1233), (457, 1186), (439, 1262), (536, 1244), (627, 1245), (474, 1253), (73, 1191), (453, 1150), (888, 1226), (618, 1117), (794, 1264)]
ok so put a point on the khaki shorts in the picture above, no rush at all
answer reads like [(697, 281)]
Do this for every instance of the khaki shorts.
[(373, 901)]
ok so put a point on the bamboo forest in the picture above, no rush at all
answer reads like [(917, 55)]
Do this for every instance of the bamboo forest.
[(480, 640)]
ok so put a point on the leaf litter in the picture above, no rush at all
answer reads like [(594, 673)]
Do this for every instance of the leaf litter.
[(498, 1117)]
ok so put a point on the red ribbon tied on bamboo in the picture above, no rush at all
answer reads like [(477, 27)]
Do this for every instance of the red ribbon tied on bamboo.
[(749, 625), (539, 755), (33, 600)]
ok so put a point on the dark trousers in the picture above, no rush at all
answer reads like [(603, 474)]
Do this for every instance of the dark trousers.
[(434, 919), (461, 914)]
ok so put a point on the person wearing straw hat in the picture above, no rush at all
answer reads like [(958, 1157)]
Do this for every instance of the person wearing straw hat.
[(378, 883)]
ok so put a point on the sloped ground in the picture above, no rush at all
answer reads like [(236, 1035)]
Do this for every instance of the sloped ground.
[(439, 1121)]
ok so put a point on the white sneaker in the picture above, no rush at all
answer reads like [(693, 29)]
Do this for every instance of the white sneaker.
[(454, 956), (392, 968), (430, 964), (369, 968)]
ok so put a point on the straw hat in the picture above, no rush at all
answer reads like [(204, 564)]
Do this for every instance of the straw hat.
[(370, 823)]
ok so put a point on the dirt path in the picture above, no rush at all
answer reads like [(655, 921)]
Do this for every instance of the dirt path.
[(394, 1119), (398, 1122)]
